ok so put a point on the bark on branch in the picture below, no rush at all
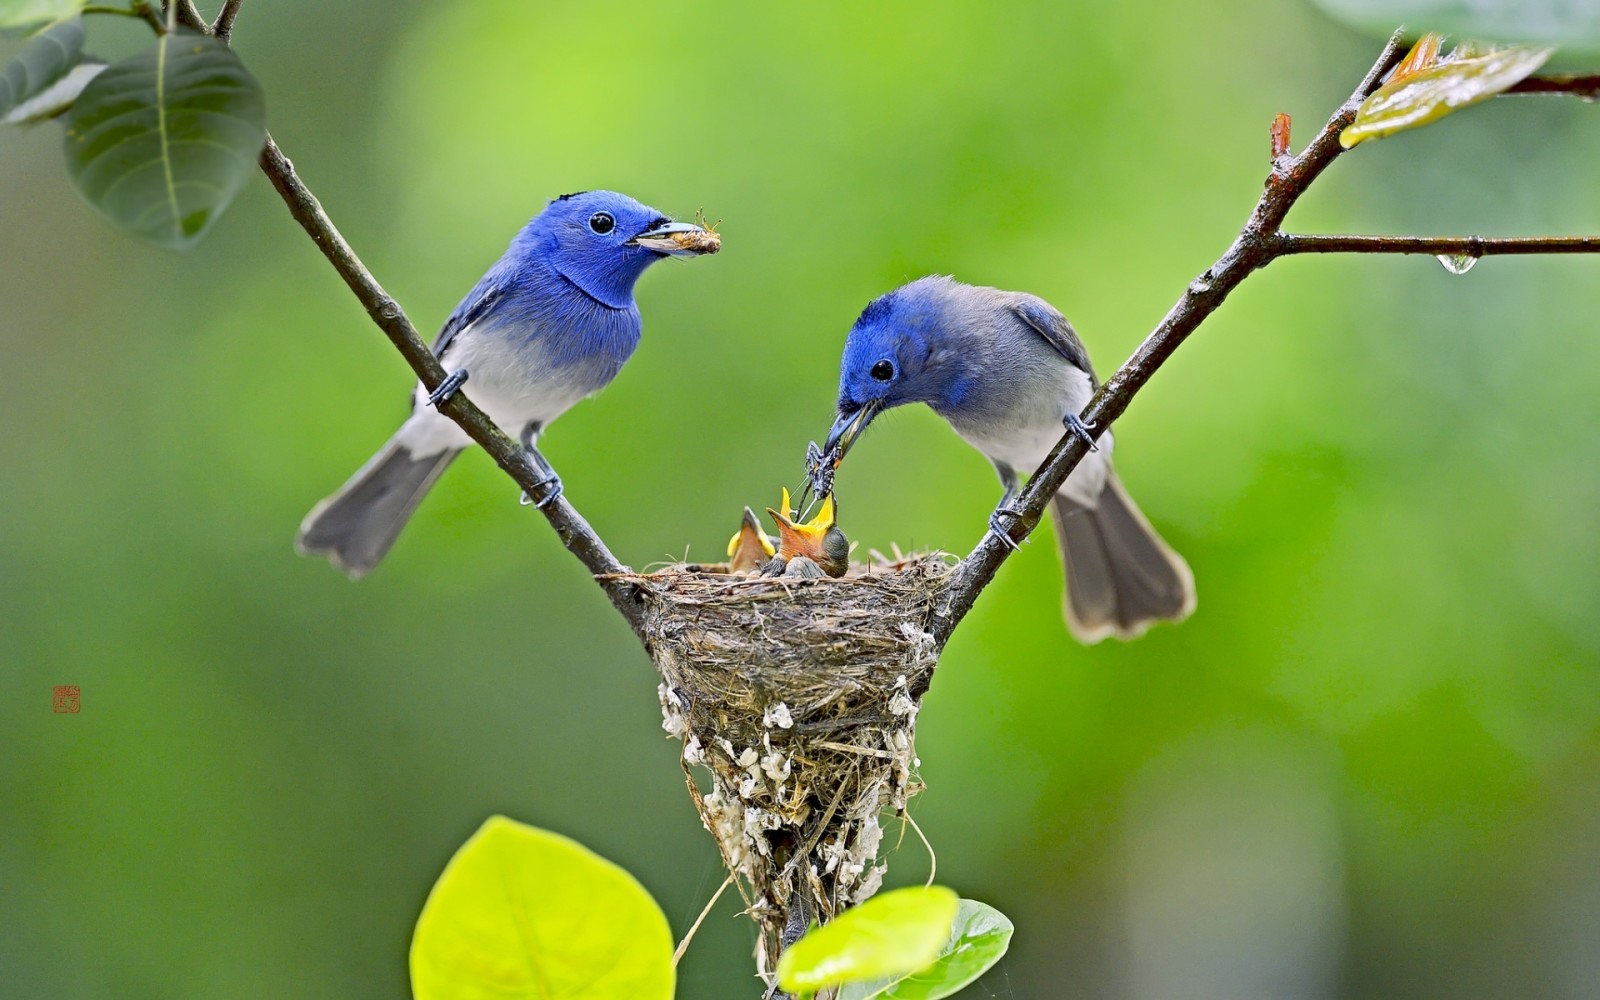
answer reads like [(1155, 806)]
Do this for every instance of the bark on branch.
[(1284, 244)]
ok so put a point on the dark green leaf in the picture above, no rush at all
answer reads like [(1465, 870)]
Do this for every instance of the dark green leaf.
[(979, 938), (1568, 23), (1465, 77), (15, 12), (44, 60), (161, 142), (888, 935)]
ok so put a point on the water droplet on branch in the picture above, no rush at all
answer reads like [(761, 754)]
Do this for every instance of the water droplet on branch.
[(1458, 263)]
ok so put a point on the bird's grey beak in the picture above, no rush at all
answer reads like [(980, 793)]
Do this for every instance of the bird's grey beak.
[(678, 239), (846, 429)]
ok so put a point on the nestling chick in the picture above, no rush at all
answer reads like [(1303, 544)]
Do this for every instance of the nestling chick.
[(812, 549), (750, 548)]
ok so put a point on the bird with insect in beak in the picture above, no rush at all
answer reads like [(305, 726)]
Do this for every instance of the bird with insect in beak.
[(750, 547), (811, 549), (1008, 373), (552, 322)]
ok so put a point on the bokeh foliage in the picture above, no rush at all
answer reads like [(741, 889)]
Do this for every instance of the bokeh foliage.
[(1366, 767)]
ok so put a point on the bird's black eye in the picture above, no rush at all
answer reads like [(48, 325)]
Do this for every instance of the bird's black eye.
[(883, 371), (602, 222)]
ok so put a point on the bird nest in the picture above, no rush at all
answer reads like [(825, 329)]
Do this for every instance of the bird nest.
[(799, 699)]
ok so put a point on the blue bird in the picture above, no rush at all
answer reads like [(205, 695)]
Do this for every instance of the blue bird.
[(551, 322), (1008, 373)]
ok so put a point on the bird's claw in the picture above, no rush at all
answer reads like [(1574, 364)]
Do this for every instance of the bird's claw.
[(999, 529), (452, 382), (1082, 431), (551, 494)]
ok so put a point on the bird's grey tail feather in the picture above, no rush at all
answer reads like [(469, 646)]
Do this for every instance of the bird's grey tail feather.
[(356, 526), (1121, 577)]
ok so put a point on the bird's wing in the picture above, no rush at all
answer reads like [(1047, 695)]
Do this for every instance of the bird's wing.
[(474, 307), (1043, 318)]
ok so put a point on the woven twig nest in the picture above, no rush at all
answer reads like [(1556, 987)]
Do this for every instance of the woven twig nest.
[(799, 698)]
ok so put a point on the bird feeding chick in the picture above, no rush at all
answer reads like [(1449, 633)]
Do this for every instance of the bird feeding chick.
[(805, 549), (808, 549), (820, 466)]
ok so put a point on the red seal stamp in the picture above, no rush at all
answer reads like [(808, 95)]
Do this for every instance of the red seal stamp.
[(64, 699)]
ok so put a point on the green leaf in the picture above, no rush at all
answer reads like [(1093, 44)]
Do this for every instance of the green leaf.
[(161, 142), (57, 97), (17, 12), (1464, 78), (1568, 23), (523, 913), (888, 935), (45, 59), (979, 937)]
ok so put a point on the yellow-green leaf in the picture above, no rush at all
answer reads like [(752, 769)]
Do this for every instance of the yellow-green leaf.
[(1423, 54), (979, 938), (525, 914), (889, 935), (1427, 95)]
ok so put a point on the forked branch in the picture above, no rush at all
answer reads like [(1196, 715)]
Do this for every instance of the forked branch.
[(1258, 244)]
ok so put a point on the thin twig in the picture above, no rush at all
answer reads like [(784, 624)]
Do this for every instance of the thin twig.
[(98, 8), (1467, 246), (933, 858), (223, 26), (189, 16), (573, 530), (683, 945), (1585, 86)]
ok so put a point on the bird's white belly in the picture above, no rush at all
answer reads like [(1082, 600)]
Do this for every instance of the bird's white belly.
[(1026, 448), (515, 388), (1026, 440)]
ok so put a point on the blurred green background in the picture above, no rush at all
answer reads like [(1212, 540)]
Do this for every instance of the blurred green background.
[(1367, 767)]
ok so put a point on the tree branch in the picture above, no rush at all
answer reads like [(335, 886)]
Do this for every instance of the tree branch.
[(575, 533), (1587, 86), (223, 26), (1257, 245), (189, 17), (1284, 244)]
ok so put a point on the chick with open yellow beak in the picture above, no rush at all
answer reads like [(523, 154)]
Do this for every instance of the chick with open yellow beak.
[(750, 547), (811, 549)]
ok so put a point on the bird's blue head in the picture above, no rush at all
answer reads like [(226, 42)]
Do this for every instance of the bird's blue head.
[(602, 241), (896, 354)]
